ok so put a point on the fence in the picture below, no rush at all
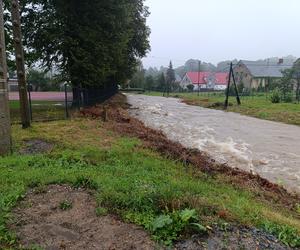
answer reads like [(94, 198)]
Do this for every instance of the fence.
[(51, 106)]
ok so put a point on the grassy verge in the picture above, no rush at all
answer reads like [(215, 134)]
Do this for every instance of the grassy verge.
[(133, 182), (41, 111), (255, 106)]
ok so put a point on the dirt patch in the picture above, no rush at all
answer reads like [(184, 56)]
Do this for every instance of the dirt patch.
[(36, 146), (124, 124), (63, 218), (233, 238)]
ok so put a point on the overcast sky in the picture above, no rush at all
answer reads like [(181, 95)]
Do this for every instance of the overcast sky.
[(216, 30)]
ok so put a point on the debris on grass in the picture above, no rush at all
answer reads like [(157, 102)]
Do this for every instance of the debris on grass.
[(36, 146)]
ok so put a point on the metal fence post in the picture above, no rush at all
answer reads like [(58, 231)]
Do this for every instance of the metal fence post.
[(66, 101), (29, 99)]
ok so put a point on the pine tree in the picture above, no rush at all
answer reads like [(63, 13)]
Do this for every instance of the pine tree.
[(170, 78)]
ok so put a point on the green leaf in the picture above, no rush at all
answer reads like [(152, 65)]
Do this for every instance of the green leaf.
[(161, 221), (188, 214), (199, 227)]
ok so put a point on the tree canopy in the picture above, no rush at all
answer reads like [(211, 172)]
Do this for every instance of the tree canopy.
[(91, 42)]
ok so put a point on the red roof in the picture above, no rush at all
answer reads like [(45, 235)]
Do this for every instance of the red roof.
[(198, 77), (221, 78), (203, 77)]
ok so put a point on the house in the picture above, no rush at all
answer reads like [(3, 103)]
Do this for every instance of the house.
[(254, 74), (205, 80)]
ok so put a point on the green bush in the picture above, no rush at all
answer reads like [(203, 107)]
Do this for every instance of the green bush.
[(288, 97), (275, 96)]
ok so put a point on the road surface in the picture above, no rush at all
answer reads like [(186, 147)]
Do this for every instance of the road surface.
[(267, 148)]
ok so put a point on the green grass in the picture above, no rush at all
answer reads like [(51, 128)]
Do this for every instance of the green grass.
[(258, 106), (41, 110), (135, 183)]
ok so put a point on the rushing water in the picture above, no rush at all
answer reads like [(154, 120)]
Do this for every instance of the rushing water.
[(268, 148)]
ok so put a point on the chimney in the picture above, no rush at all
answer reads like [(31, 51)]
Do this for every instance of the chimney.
[(280, 61)]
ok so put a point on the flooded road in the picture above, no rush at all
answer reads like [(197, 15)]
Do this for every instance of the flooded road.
[(268, 148)]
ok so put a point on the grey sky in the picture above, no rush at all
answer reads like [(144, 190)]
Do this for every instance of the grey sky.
[(216, 30)]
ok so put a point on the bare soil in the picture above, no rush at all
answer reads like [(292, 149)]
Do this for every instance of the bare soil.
[(39, 220), (36, 146), (116, 112), (233, 238)]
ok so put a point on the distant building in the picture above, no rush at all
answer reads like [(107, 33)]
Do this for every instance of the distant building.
[(257, 73), (205, 80), (13, 85)]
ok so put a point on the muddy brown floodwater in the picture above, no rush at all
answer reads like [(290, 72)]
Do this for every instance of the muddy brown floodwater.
[(267, 148)]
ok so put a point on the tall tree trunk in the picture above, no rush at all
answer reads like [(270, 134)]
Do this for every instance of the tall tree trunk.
[(5, 129)]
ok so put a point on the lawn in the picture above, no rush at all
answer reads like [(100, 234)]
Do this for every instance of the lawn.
[(41, 111), (258, 106), (135, 183)]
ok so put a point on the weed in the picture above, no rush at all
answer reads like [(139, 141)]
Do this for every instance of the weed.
[(65, 205), (167, 227), (101, 211), (289, 236), (85, 182)]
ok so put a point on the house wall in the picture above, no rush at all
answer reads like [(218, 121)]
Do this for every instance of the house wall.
[(185, 82), (262, 81), (243, 75), (220, 87)]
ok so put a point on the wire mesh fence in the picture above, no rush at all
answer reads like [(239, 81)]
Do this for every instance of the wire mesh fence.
[(51, 106)]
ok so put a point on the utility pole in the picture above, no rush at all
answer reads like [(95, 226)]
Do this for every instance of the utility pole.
[(231, 74), (5, 129), (24, 105)]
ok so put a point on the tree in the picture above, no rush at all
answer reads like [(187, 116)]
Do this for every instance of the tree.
[(170, 78), (161, 82), (149, 83), (138, 79), (39, 80), (93, 43), (286, 85), (296, 74)]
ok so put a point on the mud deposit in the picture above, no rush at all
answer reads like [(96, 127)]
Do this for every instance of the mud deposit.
[(39, 220)]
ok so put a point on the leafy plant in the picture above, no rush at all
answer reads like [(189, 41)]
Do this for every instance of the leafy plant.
[(168, 227), (65, 205), (275, 96), (287, 235)]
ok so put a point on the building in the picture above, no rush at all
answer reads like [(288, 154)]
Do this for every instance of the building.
[(205, 80), (13, 85), (254, 74)]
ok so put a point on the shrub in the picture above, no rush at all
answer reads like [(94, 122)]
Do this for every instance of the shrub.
[(275, 96), (288, 97)]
